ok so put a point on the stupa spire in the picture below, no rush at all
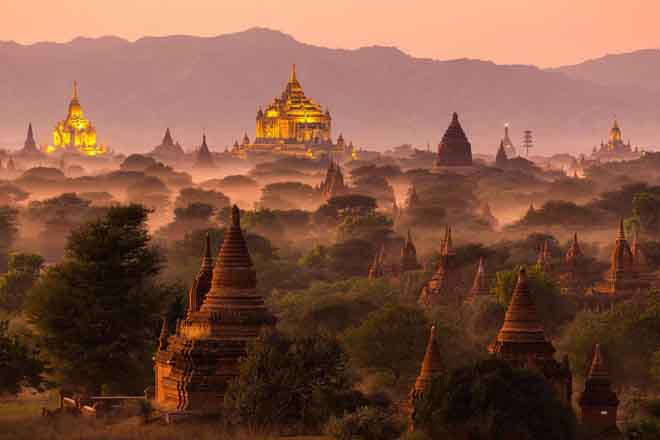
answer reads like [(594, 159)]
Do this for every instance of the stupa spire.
[(75, 91), (164, 334), (480, 283), (598, 402), (292, 76), (622, 234), (431, 365)]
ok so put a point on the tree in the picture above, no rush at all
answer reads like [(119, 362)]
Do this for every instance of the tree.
[(389, 340), (490, 400), (8, 232), (19, 365), (292, 382), (22, 274), (98, 312), (189, 196)]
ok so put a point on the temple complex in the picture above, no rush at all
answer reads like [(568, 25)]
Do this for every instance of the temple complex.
[(168, 149), (507, 145), (333, 185), (204, 158), (598, 402), (29, 146), (454, 150), (409, 256), (622, 279), (615, 149), (293, 124), (480, 285), (76, 133), (445, 286), (194, 365), (522, 342)]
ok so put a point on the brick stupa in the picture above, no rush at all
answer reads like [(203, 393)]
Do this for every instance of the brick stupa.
[(445, 284), (522, 342), (480, 285), (409, 255), (622, 279), (572, 278), (194, 365), (333, 185), (454, 150), (599, 403)]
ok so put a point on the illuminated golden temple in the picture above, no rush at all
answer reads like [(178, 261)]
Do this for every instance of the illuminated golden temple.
[(294, 124), (76, 133)]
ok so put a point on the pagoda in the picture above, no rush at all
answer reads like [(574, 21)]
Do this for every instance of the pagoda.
[(168, 149), (454, 150), (293, 124), (204, 158), (333, 185), (522, 342), (507, 144), (501, 159), (194, 366), (432, 366), (544, 259), (409, 256), (599, 403), (445, 284), (76, 133), (29, 146), (571, 279), (480, 285), (640, 262), (615, 149), (622, 279), (377, 270)]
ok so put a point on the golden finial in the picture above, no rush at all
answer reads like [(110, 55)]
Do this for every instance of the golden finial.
[(75, 89), (292, 78)]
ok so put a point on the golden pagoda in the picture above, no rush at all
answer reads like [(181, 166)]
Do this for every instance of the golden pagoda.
[(293, 124), (76, 133)]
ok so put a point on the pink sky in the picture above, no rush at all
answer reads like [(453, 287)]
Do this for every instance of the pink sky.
[(541, 32)]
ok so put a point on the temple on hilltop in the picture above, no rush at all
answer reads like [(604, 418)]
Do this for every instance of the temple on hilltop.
[(203, 157), (522, 342), (293, 124), (445, 286), (623, 278), (507, 144), (615, 149), (454, 150), (481, 283), (168, 149), (194, 365), (599, 403), (333, 185), (76, 133)]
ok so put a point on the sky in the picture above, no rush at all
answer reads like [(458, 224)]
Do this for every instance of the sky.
[(546, 33)]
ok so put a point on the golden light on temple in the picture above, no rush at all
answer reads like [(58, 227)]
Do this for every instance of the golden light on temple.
[(75, 133)]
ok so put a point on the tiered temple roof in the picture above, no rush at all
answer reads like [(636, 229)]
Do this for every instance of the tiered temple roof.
[(599, 403), (454, 149), (202, 356), (522, 341), (622, 279), (445, 286)]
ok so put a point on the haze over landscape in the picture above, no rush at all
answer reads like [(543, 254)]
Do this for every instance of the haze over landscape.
[(379, 96)]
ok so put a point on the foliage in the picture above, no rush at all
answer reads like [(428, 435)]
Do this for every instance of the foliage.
[(292, 382), (490, 400), (194, 212), (629, 363), (10, 194), (190, 196), (8, 232), (390, 340), (562, 213), (22, 273), (19, 365), (372, 227), (646, 210), (97, 313), (288, 195), (366, 423)]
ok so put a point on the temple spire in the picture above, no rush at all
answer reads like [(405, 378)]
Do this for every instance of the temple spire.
[(75, 90), (431, 365), (292, 76), (164, 334), (622, 235)]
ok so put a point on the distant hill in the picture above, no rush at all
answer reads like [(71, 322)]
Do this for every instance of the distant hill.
[(379, 96)]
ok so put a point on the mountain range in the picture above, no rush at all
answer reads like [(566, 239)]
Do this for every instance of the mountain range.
[(379, 97)]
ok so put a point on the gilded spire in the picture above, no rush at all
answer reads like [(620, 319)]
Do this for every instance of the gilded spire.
[(75, 91), (431, 365), (292, 76)]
